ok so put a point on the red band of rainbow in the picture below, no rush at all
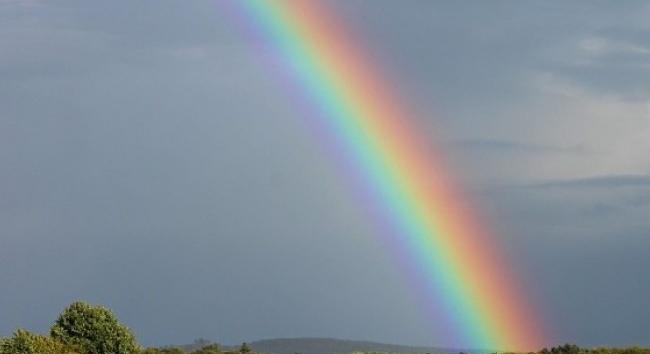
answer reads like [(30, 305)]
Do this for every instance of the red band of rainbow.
[(454, 255)]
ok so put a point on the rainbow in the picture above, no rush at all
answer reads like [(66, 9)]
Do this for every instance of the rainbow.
[(454, 256)]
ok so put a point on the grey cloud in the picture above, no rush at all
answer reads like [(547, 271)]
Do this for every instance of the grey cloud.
[(598, 182), (487, 145), (584, 243), (612, 60), (608, 201)]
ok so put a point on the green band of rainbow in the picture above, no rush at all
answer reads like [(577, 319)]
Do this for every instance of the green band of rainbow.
[(455, 256)]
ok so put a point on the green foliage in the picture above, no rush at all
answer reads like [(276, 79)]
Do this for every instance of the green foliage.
[(85, 329), (162, 351), (630, 350), (567, 349), (95, 329), (24, 342), (244, 349), (574, 349), (210, 349)]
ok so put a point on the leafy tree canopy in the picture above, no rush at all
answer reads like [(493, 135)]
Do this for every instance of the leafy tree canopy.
[(95, 329), (24, 342), (210, 349)]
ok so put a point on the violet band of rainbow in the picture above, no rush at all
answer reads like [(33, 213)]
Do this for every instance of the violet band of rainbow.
[(454, 254)]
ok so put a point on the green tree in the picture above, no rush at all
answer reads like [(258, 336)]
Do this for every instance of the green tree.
[(244, 349), (209, 349), (567, 349), (95, 329), (162, 351), (24, 342)]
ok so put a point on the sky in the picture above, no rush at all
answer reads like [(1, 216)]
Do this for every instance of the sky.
[(151, 164)]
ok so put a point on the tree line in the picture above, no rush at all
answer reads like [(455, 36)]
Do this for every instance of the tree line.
[(87, 329)]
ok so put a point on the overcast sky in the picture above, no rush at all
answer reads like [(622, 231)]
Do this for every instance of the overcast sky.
[(150, 164)]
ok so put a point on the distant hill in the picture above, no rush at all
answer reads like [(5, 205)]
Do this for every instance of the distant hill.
[(336, 346), (327, 346)]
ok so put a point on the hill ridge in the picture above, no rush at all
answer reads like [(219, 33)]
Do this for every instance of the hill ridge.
[(328, 345)]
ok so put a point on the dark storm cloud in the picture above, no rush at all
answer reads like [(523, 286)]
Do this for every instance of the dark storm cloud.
[(584, 243), (151, 164)]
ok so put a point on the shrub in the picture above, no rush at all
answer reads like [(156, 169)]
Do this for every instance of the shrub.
[(24, 342)]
